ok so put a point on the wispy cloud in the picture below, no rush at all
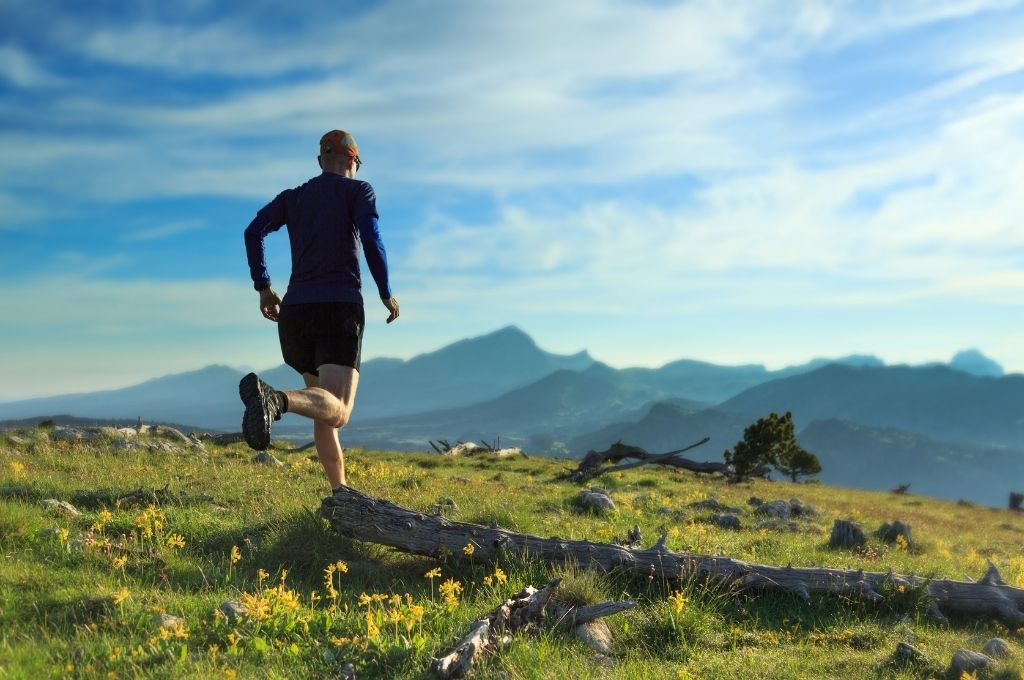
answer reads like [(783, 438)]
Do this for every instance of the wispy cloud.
[(19, 68), (167, 230)]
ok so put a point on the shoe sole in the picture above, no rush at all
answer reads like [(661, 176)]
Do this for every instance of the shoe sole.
[(255, 421)]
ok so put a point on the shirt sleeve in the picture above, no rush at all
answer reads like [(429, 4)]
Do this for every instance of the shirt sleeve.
[(270, 218), (369, 234)]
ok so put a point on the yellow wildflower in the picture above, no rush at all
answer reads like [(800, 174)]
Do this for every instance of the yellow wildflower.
[(120, 561), (236, 554), (678, 601), (175, 541), (433, 573), (450, 590), (499, 575), (121, 595), (468, 549), (106, 516), (488, 580)]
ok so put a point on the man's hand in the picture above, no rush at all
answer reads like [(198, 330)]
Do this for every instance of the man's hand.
[(392, 305), (269, 303)]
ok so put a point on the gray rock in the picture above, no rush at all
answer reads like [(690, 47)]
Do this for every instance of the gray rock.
[(347, 672), (726, 521), (907, 654), (603, 660), (779, 509), (17, 441), (715, 505), (597, 501), (596, 635), (60, 433), (264, 457), (167, 621), (967, 661), (798, 508), (233, 610), (49, 532), (62, 507), (755, 501), (997, 648)]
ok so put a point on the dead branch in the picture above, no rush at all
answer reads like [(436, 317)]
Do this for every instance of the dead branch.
[(524, 611), (363, 517), (600, 462)]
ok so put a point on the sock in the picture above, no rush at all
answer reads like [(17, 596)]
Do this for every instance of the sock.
[(282, 401)]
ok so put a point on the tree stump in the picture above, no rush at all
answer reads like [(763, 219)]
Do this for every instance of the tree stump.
[(846, 534), (890, 533)]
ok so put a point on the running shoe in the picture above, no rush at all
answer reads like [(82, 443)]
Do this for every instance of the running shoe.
[(261, 409)]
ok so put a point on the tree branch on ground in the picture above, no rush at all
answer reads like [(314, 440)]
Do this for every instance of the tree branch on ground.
[(357, 515)]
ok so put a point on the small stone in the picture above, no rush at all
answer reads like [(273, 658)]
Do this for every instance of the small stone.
[(62, 507), (233, 610), (16, 440), (603, 660), (707, 504), (264, 457), (755, 501), (61, 433), (596, 635), (800, 509), (907, 655), (347, 672), (908, 652), (967, 661), (49, 532), (997, 648), (778, 509), (726, 521), (461, 480), (596, 501), (167, 621)]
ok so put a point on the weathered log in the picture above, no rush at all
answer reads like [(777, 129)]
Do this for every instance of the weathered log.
[(599, 462), (365, 518), (524, 611)]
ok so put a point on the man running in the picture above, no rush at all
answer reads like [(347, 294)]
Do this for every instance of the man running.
[(320, 321)]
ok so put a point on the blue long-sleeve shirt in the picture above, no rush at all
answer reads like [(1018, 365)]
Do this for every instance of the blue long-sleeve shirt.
[(324, 217)]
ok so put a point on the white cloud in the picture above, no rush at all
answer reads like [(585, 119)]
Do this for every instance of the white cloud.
[(166, 230), (20, 69)]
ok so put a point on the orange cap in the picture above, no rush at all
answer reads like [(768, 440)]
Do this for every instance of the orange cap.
[(339, 141)]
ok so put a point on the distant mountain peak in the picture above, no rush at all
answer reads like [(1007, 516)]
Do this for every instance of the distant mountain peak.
[(974, 362)]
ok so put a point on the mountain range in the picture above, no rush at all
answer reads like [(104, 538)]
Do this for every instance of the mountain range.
[(952, 429)]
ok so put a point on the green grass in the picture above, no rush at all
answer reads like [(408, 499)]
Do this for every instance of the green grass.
[(78, 596)]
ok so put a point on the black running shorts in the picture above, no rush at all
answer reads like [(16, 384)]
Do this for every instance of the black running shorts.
[(318, 333)]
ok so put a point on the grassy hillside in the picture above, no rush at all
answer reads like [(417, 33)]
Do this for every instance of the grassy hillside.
[(79, 596)]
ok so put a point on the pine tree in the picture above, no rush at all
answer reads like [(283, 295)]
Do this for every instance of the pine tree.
[(771, 441)]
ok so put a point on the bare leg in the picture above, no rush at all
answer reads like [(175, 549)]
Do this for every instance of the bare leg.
[(328, 400)]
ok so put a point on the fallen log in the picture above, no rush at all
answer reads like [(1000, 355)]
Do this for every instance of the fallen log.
[(600, 462), (524, 611), (355, 514)]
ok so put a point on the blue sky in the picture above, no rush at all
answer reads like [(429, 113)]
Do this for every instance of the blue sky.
[(734, 181)]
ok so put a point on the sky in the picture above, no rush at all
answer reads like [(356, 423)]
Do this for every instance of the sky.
[(736, 182)]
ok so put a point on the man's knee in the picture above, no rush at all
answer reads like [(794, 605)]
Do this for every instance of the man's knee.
[(340, 418)]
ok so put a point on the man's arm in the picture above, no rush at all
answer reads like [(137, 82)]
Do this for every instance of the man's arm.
[(270, 218), (373, 248)]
